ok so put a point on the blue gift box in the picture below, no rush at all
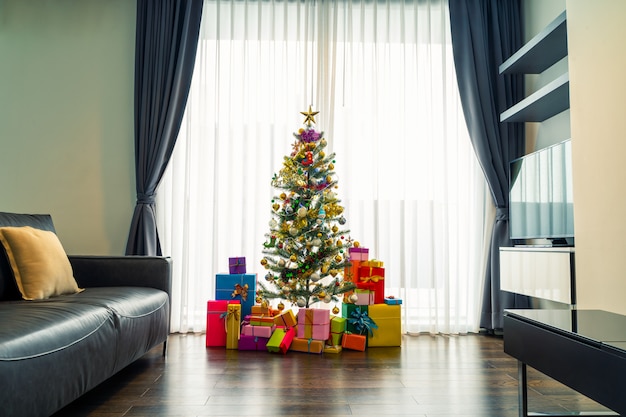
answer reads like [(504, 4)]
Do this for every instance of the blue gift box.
[(240, 287), (393, 301)]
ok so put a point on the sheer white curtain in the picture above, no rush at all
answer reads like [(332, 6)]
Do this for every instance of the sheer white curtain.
[(381, 74)]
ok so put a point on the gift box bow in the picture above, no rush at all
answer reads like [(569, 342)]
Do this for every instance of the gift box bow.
[(240, 290), (234, 313), (362, 322), (373, 278)]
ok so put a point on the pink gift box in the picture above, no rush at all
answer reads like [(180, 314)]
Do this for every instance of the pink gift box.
[(258, 331), (313, 323)]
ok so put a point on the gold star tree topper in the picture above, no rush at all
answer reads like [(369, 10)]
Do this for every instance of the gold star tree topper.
[(310, 116)]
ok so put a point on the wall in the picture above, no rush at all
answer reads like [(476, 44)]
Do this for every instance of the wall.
[(597, 89), (66, 117)]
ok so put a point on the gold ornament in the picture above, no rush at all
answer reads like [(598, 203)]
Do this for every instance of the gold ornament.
[(331, 166), (293, 258), (264, 304), (283, 196), (275, 206), (281, 306), (356, 244), (335, 310), (310, 116), (333, 273), (335, 229), (263, 261), (322, 154), (338, 258)]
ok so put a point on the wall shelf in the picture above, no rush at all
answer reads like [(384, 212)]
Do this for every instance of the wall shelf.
[(546, 102), (541, 52)]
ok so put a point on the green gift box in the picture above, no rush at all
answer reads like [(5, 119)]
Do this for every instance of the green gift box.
[(346, 312), (337, 328)]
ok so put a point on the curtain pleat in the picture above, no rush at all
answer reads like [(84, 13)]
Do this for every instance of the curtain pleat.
[(166, 43), (484, 34), (382, 76)]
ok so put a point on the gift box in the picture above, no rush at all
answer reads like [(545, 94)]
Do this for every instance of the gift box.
[(216, 322), (351, 274), (387, 318), (307, 345), (393, 300), (237, 265), (260, 311), (358, 254), (353, 341), (260, 321), (281, 339), (364, 297), (240, 287), (337, 328), (259, 331), (347, 311), (332, 349), (358, 320), (286, 319), (313, 323), (233, 325), (253, 342), (372, 278)]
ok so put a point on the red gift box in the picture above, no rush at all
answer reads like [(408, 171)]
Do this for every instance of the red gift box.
[(216, 322), (373, 278)]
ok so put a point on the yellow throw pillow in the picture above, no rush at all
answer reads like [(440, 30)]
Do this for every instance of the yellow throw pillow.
[(39, 263)]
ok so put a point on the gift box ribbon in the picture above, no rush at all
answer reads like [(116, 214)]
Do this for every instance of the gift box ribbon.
[(362, 322), (231, 313)]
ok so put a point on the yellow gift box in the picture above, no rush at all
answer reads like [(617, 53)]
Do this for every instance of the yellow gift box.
[(387, 318), (233, 326), (373, 263)]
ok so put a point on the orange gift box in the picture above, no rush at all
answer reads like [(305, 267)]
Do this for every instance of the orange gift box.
[(354, 341), (307, 345), (286, 319)]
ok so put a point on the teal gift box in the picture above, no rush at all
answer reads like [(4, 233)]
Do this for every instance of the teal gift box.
[(240, 287), (346, 311)]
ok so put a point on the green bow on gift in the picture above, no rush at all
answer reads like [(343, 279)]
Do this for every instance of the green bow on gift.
[(362, 322)]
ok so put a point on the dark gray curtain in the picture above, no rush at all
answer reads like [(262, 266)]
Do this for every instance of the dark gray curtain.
[(484, 34), (165, 53)]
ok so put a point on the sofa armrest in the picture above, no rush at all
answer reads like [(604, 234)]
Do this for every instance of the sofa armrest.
[(119, 271)]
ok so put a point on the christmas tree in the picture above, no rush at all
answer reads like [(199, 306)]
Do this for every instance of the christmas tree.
[(306, 249)]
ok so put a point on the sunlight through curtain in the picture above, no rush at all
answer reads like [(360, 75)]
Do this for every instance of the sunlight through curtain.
[(381, 73)]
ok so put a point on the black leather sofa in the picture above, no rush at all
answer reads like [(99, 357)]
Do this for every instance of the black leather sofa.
[(54, 350)]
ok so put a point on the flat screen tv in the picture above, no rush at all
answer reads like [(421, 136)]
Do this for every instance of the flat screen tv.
[(541, 196)]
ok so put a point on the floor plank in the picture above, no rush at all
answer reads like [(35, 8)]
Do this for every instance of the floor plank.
[(429, 376)]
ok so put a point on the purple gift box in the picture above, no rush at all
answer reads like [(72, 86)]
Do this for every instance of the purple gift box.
[(252, 342), (237, 265), (358, 254)]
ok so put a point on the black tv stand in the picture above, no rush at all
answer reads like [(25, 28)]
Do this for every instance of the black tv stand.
[(583, 349)]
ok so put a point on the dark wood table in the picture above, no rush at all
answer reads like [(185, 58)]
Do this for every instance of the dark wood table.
[(583, 349)]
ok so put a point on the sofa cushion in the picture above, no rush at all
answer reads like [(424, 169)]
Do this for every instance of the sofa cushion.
[(39, 263), (139, 311), (43, 327), (8, 287)]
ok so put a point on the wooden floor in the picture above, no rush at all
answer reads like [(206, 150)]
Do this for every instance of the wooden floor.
[(464, 376)]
